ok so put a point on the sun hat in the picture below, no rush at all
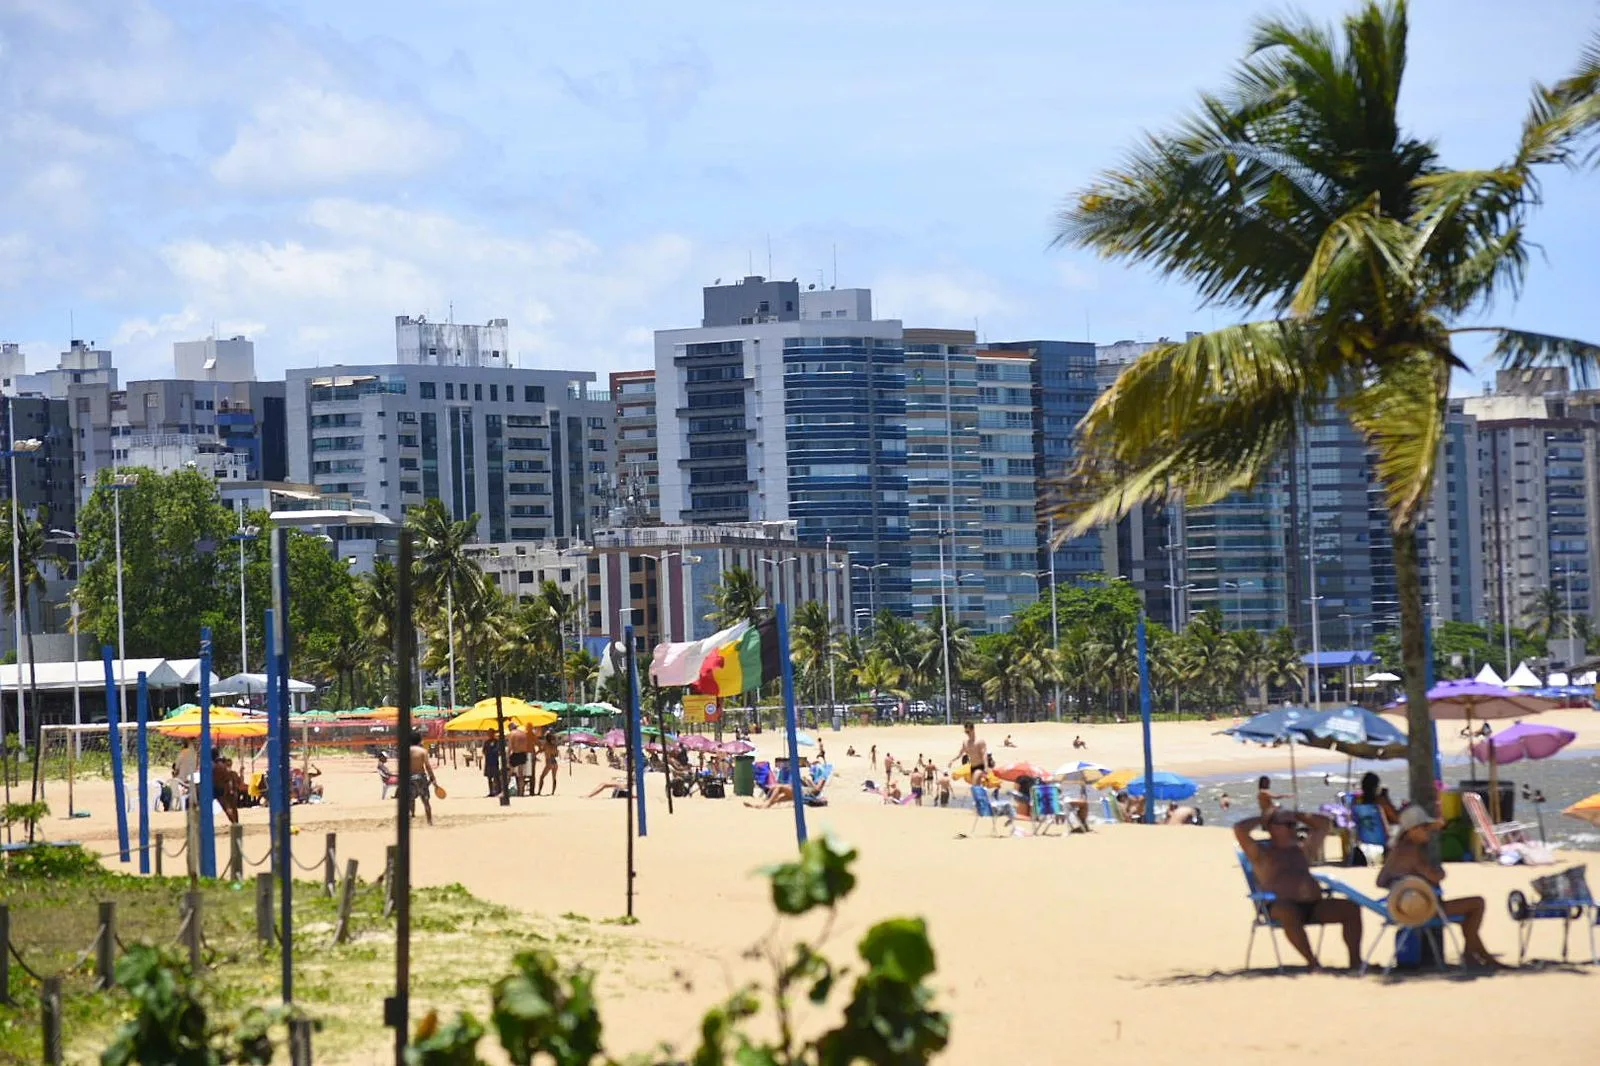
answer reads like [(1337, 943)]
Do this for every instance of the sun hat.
[(1413, 816), (1412, 902)]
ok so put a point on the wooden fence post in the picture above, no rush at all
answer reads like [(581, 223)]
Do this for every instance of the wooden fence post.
[(330, 863), (5, 955), (300, 1042), (390, 862), (191, 930), (105, 948), (341, 929), (50, 1017), (161, 847), (236, 852), (264, 907)]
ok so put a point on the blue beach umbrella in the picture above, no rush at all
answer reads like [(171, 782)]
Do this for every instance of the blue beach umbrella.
[(1276, 727), (1357, 732), (1167, 786)]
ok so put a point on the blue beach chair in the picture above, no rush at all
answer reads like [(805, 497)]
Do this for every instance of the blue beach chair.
[(1046, 803), (984, 808), (1380, 908), (1261, 906)]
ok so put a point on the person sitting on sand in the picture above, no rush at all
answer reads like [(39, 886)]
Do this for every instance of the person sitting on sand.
[(1079, 742), (1021, 797), (1408, 857), (782, 790), (1008, 742), (1177, 815), (1281, 868), (891, 792), (850, 752), (1267, 799)]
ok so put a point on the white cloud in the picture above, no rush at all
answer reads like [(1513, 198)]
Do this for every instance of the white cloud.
[(946, 298), (309, 136)]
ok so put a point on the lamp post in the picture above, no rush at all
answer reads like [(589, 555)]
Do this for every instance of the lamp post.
[(944, 622), (120, 484), (833, 568), (1055, 622), (872, 587), (244, 535), (67, 536), (18, 447)]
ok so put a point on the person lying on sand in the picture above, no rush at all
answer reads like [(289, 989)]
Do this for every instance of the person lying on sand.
[(1408, 857), (618, 786), (1281, 868), (1177, 815)]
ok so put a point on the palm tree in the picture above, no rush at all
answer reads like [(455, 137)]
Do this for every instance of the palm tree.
[(1115, 648), (736, 598), (1285, 667), (445, 573), (376, 604), (811, 646), (1544, 613), (1565, 117), (931, 653), (1252, 661), (1296, 193)]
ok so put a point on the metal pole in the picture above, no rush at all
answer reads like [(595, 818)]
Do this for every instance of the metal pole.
[(1055, 615), (833, 692), (208, 828), (398, 1006), (16, 570), (280, 602), (450, 628), (500, 731), (122, 630), (628, 726), (791, 726), (244, 629), (636, 740), (1144, 718), (119, 787), (1316, 600), (944, 627)]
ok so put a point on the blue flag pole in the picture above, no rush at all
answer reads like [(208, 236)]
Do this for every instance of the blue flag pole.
[(144, 772), (635, 716), (1144, 718), (1427, 676), (208, 827), (280, 600), (119, 788), (791, 726)]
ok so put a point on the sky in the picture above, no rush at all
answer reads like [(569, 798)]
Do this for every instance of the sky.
[(302, 172)]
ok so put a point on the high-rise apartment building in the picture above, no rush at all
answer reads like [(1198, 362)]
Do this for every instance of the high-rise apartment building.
[(790, 406), (1008, 466), (233, 430), (527, 451), (419, 342), (638, 495), (944, 490)]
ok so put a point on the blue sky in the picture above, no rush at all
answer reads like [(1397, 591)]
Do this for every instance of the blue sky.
[(302, 172)]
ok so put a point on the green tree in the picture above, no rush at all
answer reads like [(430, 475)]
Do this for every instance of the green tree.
[(1546, 613), (1296, 192), (811, 646), (736, 598), (447, 577)]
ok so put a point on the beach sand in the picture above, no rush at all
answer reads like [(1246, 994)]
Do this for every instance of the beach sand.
[(1126, 941)]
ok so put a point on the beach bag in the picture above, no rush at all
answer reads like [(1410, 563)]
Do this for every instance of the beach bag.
[(1567, 885)]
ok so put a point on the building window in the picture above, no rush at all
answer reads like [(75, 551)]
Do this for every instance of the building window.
[(477, 392), (449, 391), (428, 390), (494, 393), (533, 394)]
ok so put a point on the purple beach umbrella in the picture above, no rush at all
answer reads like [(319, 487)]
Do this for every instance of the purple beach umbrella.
[(697, 742), (1523, 741), (736, 747)]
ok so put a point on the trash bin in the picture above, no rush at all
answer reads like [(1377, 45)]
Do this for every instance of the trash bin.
[(744, 775), (1508, 796)]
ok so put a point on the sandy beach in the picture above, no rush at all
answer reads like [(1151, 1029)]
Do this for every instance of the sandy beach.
[(1127, 941)]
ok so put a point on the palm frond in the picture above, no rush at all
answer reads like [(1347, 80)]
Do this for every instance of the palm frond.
[(1563, 123), (1402, 416), (1520, 349), (1363, 259)]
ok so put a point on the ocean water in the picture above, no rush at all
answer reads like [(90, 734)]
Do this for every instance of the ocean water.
[(1564, 779)]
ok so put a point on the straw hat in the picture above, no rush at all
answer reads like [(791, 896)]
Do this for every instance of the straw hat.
[(1412, 902)]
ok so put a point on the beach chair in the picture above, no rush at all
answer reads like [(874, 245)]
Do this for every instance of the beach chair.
[(1563, 896), (984, 807), (1490, 840), (1380, 908), (1261, 912), (1046, 803)]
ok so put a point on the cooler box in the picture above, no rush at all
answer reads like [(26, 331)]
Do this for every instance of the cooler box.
[(744, 775)]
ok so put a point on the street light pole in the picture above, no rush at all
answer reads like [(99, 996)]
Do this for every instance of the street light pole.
[(1055, 618), (245, 533), (944, 625), (67, 536)]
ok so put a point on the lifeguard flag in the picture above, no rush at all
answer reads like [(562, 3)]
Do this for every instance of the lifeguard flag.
[(748, 661)]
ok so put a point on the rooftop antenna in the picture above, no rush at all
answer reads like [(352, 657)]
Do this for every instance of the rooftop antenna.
[(750, 263), (72, 327), (769, 255), (835, 266)]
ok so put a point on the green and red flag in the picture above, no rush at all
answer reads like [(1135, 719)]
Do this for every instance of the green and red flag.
[(748, 658)]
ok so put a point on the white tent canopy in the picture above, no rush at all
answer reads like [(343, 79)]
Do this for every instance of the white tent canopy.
[(91, 673), (1487, 676), (1584, 679), (244, 684), (1557, 680), (1381, 675), (189, 670), (1523, 677)]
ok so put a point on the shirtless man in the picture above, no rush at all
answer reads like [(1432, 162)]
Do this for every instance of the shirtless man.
[(975, 750), (916, 782), (552, 764), (422, 776), (520, 741), (1281, 868), (1408, 857), (227, 787)]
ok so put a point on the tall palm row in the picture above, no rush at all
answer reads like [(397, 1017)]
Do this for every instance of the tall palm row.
[(1295, 197)]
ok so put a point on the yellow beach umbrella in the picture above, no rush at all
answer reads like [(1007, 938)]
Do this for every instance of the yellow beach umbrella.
[(1117, 780), (1587, 810), (482, 716), (386, 712), (225, 725)]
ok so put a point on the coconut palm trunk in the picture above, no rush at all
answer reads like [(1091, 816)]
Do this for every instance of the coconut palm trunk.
[(1413, 657)]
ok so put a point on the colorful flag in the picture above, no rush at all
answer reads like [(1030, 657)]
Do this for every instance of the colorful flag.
[(748, 660), (679, 664)]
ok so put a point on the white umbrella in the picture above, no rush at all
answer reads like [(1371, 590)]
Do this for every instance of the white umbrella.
[(1080, 771), (1382, 675)]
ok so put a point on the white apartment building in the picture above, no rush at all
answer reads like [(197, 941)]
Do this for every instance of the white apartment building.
[(214, 359), (419, 342)]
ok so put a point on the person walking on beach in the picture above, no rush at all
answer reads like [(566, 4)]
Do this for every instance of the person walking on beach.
[(974, 752), (1282, 869), (422, 776), (873, 758), (491, 764), (916, 781), (552, 764)]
